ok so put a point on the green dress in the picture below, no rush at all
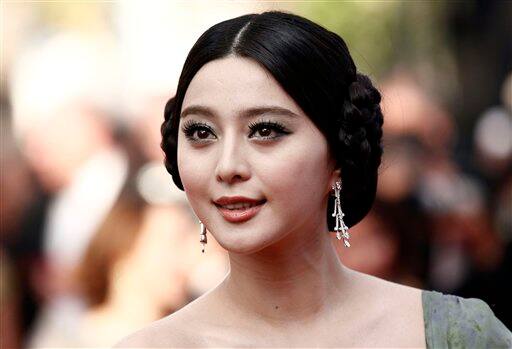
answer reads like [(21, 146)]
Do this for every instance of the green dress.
[(456, 322)]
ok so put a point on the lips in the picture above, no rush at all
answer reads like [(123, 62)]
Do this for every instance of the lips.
[(237, 209)]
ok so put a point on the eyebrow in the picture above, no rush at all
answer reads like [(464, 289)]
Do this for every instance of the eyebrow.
[(246, 113)]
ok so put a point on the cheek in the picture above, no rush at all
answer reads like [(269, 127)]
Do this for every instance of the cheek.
[(195, 168), (298, 173)]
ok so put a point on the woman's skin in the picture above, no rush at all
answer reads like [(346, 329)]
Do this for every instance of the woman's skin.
[(286, 286)]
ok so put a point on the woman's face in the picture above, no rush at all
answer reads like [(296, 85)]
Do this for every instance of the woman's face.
[(242, 135)]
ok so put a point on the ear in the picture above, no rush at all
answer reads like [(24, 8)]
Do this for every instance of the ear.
[(335, 176)]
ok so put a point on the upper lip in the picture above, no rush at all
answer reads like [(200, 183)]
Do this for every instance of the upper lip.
[(230, 200)]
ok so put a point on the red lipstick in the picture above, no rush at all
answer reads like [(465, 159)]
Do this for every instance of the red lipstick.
[(238, 209)]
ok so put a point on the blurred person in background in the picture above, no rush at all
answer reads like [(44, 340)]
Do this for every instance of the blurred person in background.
[(462, 246), (134, 271), (490, 228), (63, 101), (11, 211), (412, 112), (22, 209), (10, 303)]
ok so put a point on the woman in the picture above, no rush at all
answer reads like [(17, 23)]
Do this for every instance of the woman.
[(276, 140)]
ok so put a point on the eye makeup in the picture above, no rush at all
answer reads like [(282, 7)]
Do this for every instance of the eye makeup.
[(260, 126), (197, 131), (190, 128)]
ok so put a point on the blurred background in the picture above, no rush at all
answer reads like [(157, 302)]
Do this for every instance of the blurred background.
[(96, 241)]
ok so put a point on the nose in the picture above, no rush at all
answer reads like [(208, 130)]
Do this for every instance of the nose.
[(232, 165)]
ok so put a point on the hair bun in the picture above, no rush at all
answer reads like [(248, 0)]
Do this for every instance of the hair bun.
[(361, 116), (169, 131), (362, 92), (359, 137)]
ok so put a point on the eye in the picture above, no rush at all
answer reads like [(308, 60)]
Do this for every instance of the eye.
[(198, 131), (267, 129)]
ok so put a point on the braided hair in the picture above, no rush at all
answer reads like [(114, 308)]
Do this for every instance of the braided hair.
[(314, 66)]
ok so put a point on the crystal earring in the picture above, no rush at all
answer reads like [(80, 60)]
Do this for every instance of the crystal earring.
[(202, 238), (341, 229)]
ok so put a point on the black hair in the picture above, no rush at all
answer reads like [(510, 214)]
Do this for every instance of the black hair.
[(314, 66)]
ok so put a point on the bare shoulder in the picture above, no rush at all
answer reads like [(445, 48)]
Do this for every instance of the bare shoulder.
[(160, 333), (398, 311), (389, 293)]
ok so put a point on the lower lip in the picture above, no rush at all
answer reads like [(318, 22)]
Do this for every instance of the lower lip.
[(241, 215)]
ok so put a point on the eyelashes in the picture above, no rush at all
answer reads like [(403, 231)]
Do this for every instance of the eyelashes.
[(197, 131), (190, 128), (277, 127)]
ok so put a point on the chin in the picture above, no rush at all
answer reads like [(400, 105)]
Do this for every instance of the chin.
[(243, 243), (244, 247)]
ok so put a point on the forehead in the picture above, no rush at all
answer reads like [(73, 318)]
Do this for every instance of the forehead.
[(236, 83)]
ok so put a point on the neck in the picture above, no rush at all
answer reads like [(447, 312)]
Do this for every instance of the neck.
[(298, 280)]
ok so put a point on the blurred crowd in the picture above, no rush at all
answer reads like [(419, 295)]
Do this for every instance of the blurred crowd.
[(96, 241)]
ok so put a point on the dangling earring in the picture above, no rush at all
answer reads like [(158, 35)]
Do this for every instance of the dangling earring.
[(202, 238), (341, 229)]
